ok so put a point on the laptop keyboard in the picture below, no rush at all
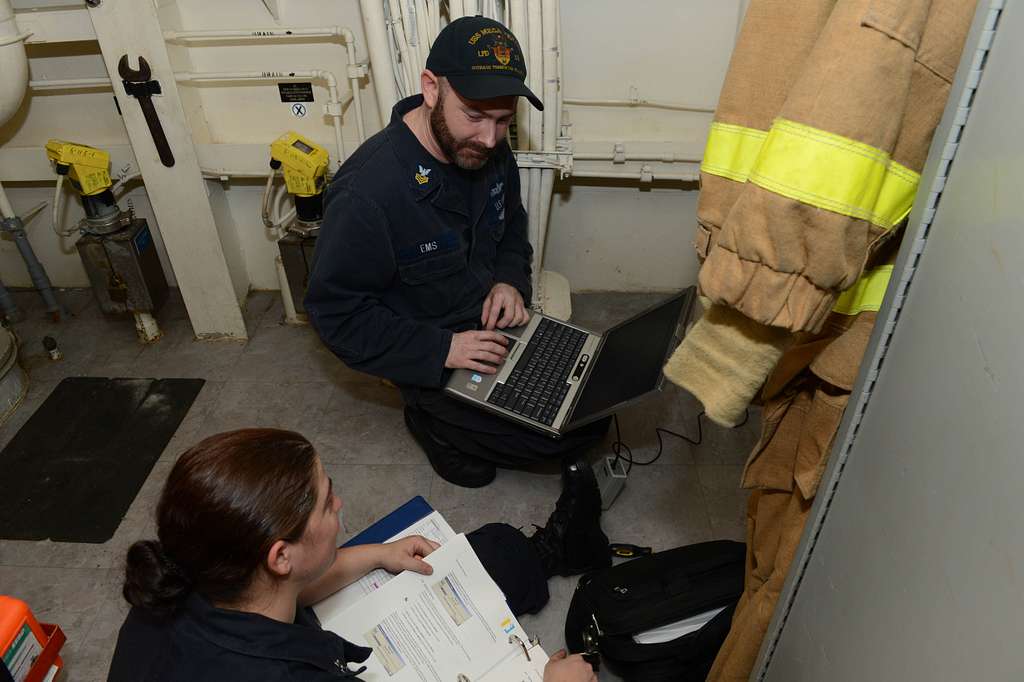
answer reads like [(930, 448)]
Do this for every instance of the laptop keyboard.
[(536, 387)]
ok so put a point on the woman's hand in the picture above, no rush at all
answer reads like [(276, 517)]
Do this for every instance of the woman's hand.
[(407, 555), (564, 668)]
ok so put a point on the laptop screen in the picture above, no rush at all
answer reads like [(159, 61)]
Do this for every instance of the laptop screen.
[(629, 364)]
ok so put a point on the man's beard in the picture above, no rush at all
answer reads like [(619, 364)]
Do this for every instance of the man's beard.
[(464, 154)]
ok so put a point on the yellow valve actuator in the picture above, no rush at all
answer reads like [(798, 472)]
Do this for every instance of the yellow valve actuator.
[(303, 162), (86, 166)]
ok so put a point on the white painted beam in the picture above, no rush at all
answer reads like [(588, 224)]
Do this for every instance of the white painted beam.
[(58, 25), (178, 194)]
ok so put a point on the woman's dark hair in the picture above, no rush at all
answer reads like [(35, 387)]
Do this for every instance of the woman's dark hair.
[(227, 500)]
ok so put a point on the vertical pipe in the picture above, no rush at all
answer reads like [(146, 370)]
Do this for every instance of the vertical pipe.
[(36, 272), (547, 186), (290, 314), (550, 74), (524, 186), (401, 77), (357, 102), (434, 19), (408, 33), (419, 18), (535, 67), (335, 99), (6, 211), (398, 31), (8, 306), (147, 328), (549, 80), (517, 17), (535, 74), (534, 224), (561, 88), (380, 56)]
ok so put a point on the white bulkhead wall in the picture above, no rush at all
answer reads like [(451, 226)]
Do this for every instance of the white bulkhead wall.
[(616, 235)]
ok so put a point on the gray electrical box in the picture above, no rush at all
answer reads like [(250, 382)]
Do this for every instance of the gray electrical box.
[(124, 269), (297, 258)]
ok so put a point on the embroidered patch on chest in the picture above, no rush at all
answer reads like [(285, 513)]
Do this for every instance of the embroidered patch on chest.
[(498, 200), (422, 175)]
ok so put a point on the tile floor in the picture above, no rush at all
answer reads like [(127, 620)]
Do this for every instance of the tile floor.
[(284, 377)]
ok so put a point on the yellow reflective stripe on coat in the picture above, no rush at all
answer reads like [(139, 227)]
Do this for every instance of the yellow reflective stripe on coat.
[(814, 167), (732, 150), (866, 294), (835, 173)]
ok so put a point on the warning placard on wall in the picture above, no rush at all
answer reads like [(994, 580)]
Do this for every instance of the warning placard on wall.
[(296, 92)]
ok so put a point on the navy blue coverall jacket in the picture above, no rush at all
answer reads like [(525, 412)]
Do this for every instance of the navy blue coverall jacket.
[(403, 260), (202, 643)]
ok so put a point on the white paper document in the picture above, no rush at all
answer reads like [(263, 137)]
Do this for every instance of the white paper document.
[(666, 633), (432, 526), (451, 626), (516, 667)]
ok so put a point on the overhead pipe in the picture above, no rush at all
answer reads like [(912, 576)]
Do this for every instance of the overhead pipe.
[(70, 84), (643, 175), (328, 77), (261, 34), (287, 32), (13, 63), (638, 102), (663, 158)]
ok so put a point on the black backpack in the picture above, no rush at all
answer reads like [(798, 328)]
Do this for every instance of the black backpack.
[(613, 604)]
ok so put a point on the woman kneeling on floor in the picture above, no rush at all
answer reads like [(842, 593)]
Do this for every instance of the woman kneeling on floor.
[(247, 526)]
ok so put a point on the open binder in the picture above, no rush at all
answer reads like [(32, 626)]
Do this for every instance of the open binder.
[(451, 626)]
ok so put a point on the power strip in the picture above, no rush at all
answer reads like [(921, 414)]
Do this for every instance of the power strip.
[(611, 479)]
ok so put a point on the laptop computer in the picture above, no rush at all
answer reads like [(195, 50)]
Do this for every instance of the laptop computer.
[(559, 376)]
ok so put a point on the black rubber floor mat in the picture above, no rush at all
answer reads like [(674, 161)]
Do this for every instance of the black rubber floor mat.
[(74, 468)]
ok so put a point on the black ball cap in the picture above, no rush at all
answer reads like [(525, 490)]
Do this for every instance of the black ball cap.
[(481, 59)]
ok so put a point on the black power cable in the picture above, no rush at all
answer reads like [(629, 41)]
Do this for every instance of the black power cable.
[(618, 446)]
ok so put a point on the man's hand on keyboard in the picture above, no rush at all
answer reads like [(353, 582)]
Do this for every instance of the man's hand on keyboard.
[(503, 308), (480, 351)]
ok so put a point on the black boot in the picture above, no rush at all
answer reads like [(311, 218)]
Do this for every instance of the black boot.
[(572, 541), (449, 463)]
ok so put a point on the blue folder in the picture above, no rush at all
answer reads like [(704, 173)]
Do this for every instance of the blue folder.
[(395, 522)]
